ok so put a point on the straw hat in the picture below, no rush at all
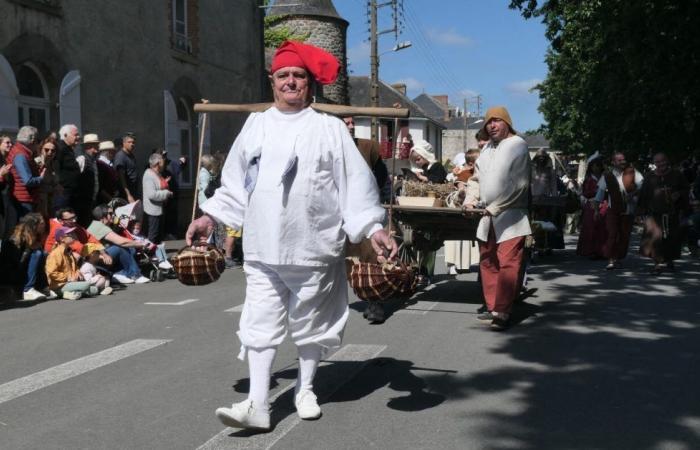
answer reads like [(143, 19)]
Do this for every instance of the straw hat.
[(91, 139)]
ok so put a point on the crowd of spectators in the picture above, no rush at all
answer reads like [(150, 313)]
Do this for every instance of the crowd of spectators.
[(59, 235)]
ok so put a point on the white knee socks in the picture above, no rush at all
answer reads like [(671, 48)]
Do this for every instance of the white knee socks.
[(260, 368), (309, 356)]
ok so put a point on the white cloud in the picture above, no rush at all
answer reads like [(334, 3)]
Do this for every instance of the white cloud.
[(523, 87), (448, 37), (358, 56), (411, 84)]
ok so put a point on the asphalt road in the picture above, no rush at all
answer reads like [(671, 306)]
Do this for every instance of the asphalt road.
[(596, 360)]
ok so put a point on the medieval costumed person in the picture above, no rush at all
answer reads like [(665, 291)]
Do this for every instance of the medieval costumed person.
[(504, 184), (593, 234), (620, 188), (663, 199), (296, 184)]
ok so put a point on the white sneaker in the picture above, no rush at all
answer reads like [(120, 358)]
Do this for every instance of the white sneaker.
[(244, 415), (142, 280), (307, 405), (106, 291), (72, 295), (33, 294), (165, 265), (452, 270), (123, 279), (51, 295)]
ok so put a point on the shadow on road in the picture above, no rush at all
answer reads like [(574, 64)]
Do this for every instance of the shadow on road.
[(611, 362)]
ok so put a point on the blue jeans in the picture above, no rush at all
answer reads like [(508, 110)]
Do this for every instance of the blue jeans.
[(124, 259), (35, 267)]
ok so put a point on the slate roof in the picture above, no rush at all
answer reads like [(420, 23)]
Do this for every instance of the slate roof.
[(358, 89), (457, 123), (322, 8), (432, 107)]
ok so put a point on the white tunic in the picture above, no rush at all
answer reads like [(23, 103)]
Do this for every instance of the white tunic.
[(504, 180), (298, 186), (630, 200)]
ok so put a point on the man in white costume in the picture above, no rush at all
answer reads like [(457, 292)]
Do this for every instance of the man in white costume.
[(297, 185), (503, 169)]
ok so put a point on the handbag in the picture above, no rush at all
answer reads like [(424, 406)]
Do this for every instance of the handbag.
[(195, 267)]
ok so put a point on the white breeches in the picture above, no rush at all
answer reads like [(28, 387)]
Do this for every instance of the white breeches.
[(309, 303)]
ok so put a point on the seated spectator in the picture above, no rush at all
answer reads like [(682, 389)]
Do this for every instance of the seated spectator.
[(27, 239), (122, 249), (84, 244), (62, 268), (89, 271)]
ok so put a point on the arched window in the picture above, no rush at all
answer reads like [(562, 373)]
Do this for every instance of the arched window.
[(33, 99), (184, 124)]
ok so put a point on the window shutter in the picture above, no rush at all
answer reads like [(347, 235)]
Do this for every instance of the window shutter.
[(172, 131), (9, 121), (69, 99)]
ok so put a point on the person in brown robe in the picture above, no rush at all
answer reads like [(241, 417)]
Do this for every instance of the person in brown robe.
[(663, 199)]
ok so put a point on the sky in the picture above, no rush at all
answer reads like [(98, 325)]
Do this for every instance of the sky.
[(461, 48)]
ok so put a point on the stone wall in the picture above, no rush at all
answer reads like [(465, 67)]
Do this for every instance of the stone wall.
[(453, 142), (329, 34)]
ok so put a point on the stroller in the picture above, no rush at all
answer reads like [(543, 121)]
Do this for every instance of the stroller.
[(151, 257)]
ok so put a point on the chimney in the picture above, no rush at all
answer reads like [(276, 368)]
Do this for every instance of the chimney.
[(442, 99), (401, 87)]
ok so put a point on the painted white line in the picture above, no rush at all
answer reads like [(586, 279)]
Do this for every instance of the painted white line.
[(327, 382), (238, 308), (30, 383), (420, 308), (184, 302)]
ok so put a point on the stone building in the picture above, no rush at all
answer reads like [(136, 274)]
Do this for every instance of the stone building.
[(319, 20), (131, 65)]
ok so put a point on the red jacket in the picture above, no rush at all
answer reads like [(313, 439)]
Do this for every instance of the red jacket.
[(20, 192)]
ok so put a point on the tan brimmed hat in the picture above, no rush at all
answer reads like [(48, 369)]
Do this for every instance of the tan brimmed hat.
[(91, 139), (498, 112), (106, 145)]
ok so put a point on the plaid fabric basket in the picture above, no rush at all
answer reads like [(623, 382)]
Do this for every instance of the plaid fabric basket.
[(382, 282), (198, 267)]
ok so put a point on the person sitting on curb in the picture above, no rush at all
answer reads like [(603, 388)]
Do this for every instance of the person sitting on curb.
[(62, 268), (90, 274), (122, 250)]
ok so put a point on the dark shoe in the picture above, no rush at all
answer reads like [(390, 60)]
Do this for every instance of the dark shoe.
[(376, 313), (610, 266), (485, 316), (482, 308), (499, 324)]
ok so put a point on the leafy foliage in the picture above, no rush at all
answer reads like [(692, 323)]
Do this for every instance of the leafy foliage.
[(623, 74), (275, 35)]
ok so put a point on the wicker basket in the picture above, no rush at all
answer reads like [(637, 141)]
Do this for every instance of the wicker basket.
[(196, 267), (382, 282)]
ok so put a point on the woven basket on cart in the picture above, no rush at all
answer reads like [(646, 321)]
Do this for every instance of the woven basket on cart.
[(382, 282), (196, 267)]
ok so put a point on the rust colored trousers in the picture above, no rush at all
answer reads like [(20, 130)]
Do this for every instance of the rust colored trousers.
[(619, 227), (500, 271)]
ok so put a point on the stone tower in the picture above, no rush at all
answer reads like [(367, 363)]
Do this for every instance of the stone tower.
[(326, 29)]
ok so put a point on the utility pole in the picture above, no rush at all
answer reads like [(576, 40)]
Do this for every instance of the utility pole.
[(478, 105), (374, 66), (374, 33), (464, 136)]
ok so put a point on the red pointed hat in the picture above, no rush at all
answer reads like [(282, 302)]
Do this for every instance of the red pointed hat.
[(322, 65)]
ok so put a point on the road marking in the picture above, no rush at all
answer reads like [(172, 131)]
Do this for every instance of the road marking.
[(238, 308), (420, 308), (184, 302), (327, 382), (39, 380)]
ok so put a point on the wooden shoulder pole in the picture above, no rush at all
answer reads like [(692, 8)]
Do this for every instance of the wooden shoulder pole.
[(202, 133)]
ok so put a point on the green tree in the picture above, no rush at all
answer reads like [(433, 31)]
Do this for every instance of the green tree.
[(275, 35), (622, 74)]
